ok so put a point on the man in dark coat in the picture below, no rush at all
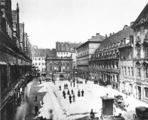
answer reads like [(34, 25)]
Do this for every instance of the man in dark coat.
[(72, 91), (70, 99), (68, 93), (82, 92), (78, 93), (36, 109), (64, 94)]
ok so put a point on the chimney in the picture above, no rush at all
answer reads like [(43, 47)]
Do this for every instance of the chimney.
[(110, 34), (106, 36), (125, 26), (97, 34), (93, 36), (113, 33)]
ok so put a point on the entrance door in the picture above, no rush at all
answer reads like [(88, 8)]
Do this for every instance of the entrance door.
[(59, 68), (139, 93)]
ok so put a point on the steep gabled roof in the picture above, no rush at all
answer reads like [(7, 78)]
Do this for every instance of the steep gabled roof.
[(142, 18), (126, 32)]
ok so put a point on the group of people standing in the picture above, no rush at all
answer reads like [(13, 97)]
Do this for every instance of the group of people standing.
[(70, 93)]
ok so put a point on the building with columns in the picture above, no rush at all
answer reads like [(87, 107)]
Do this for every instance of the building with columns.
[(140, 61), (84, 52)]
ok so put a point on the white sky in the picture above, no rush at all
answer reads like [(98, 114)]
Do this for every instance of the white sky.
[(48, 21)]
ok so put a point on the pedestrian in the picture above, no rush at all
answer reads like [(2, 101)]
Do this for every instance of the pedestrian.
[(68, 93), (36, 98), (36, 109), (64, 94), (78, 93), (92, 115), (74, 98), (40, 80), (72, 91), (51, 114), (60, 88), (86, 81), (82, 92), (70, 99)]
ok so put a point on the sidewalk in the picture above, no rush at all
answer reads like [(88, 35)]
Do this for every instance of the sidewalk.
[(26, 110)]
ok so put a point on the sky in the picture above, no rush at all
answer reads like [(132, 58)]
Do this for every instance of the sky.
[(49, 21)]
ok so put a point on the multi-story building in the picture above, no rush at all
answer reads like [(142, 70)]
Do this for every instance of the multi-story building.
[(84, 52), (140, 55), (14, 63), (64, 58), (38, 58), (58, 64), (104, 63), (16, 27), (67, 49), (22, 35)]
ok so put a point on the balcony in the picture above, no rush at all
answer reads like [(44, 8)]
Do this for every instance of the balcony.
[(125, 45)]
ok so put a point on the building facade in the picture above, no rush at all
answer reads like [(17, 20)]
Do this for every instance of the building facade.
[(104, 63), (140, 61), (38, 58), (67, 49), (15, 64), (84, 52)]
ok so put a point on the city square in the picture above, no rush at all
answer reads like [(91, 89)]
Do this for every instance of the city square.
[(51, 69)]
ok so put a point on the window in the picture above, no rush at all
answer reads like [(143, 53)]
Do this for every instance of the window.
[(113, 64), (125, 71), (42, 63), (146, 52), (35, 63), (122, 70), (138, 52), (129, 71), (117, 65), (146, 72), (138, 72), (146, 92), (39, 58), (39, 63)]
